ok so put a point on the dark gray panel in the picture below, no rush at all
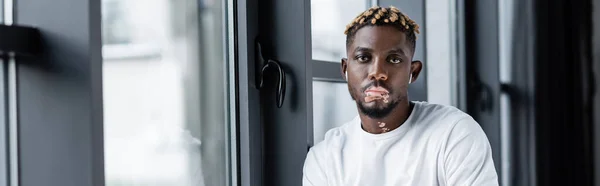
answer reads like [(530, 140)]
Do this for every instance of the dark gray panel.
[(285, 30), (487, 58), (521, 91), (248, 105), (415, 9), (482, 70), (60, 95)]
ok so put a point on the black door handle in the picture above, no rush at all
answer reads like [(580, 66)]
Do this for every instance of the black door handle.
[(21, 40), (270, 65), (483, 95)]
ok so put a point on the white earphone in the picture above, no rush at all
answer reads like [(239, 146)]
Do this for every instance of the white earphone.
[(346, 73)]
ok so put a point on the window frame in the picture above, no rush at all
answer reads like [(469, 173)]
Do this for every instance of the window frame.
[(60, 101), (4, 145)]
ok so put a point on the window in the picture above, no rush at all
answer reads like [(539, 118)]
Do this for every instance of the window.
[(441, 61), (328, 20), (332, 104), (332, 107), (166, 92)]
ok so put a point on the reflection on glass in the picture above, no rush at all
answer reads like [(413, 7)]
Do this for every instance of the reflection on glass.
[(165, 119), (328, 21), (332, 107)]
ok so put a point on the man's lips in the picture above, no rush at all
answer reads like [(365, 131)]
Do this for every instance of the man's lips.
[(375, 93), (377, 90)]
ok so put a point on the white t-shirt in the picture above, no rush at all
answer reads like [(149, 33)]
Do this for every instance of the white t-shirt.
[(437, 145)]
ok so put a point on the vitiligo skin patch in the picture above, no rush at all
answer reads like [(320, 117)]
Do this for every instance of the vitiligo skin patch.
[(383, 128), (375, 96)]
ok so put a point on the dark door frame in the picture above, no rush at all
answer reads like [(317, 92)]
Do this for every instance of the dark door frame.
[(551, 93)]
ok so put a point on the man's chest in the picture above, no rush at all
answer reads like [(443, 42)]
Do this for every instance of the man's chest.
[(372, 163)]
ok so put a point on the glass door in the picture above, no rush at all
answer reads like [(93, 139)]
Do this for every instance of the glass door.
[(167, 93)]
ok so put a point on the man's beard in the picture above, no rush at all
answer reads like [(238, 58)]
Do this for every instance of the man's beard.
[(375, 111)]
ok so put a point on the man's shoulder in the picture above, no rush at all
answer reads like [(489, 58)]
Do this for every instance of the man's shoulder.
[(438, 113), (442, 120), (439, 109), (451, 122)]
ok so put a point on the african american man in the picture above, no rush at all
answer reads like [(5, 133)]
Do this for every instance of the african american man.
[(394, 141)]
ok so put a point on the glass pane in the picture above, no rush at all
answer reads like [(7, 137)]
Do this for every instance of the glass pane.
[(328, 21), (165, 92), (505, 25), (332, 107), (441, 54)]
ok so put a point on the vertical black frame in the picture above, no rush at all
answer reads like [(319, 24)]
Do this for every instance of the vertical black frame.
[(564, 88)]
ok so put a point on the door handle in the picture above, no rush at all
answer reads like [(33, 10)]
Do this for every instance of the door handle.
[(483, 95), (270, 65), (20, 40)]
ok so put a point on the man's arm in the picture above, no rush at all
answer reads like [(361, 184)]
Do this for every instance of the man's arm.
[(313, 174), (468, 158)]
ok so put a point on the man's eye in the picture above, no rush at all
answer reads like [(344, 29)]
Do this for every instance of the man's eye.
[(362, 58), (395, 60)]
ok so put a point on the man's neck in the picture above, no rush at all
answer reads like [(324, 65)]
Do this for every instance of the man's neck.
[(388, 123)]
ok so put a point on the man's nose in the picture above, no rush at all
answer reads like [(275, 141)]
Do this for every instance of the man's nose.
[(377, 70)]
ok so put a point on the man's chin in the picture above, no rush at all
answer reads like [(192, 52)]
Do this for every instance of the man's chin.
[(377, 109), (375, 105)]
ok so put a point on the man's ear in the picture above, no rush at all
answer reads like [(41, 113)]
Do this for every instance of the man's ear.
[(415, 69), (344, 68)]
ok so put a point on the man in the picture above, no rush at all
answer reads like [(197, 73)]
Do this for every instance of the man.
[(394, 141)]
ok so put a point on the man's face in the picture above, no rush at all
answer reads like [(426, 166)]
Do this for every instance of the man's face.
[(378, 65)]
